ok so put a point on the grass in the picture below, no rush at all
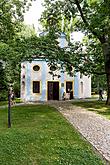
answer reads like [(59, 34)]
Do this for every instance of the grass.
[(96, 106), (41, 136)]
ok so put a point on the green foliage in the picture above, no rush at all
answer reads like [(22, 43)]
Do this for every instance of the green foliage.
[(11, 65), (11, 16), (16, 87), (41, 136), (11, 32), (26, 46), (86, 57), (98, 81), (11, 13), (3, 83), (93, 19), (26, 31), (3, 94)]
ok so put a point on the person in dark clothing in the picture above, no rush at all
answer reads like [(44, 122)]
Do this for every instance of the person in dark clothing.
[(100, 94), (64, 95), (71, 94)]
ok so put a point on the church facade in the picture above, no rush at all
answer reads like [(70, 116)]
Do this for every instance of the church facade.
[(37, 84)]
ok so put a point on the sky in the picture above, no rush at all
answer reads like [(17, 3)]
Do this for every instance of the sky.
[(31, 17), (77, 36)]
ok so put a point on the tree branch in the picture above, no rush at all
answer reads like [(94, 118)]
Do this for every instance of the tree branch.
[(101, 38)]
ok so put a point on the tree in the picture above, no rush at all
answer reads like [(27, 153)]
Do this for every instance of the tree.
[(17, 45), (11, 13), (92, 17), (98, 82), (11, 18)]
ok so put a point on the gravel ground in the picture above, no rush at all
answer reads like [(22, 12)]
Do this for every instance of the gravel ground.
[(95, 128)]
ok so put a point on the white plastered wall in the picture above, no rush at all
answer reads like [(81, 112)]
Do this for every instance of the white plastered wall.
[(84, 86)]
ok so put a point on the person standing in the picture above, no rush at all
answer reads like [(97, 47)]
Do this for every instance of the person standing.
[(71, 94), (64, 96), (100, 94)]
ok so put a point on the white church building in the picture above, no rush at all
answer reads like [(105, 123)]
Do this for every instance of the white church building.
[(37, 84)]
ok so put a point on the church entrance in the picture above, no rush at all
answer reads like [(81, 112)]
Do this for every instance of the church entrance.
[(53, 90)]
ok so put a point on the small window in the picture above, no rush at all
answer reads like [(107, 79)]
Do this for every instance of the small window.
[(36, 86), (36, 68)]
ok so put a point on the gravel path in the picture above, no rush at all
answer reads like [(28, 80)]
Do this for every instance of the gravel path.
[(95, 128)]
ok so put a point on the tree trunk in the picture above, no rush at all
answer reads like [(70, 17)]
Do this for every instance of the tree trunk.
[(108, 89), (106, 51)]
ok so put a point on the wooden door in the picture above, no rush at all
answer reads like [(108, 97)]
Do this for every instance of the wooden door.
[(53, 90)]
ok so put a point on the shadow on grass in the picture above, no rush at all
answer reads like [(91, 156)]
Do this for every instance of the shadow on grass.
[(95, 106)]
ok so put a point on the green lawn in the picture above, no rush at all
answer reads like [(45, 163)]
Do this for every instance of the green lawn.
[(95, 106), (41, 136)]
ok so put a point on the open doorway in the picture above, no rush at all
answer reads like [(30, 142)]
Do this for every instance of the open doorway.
[(53, 90)]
